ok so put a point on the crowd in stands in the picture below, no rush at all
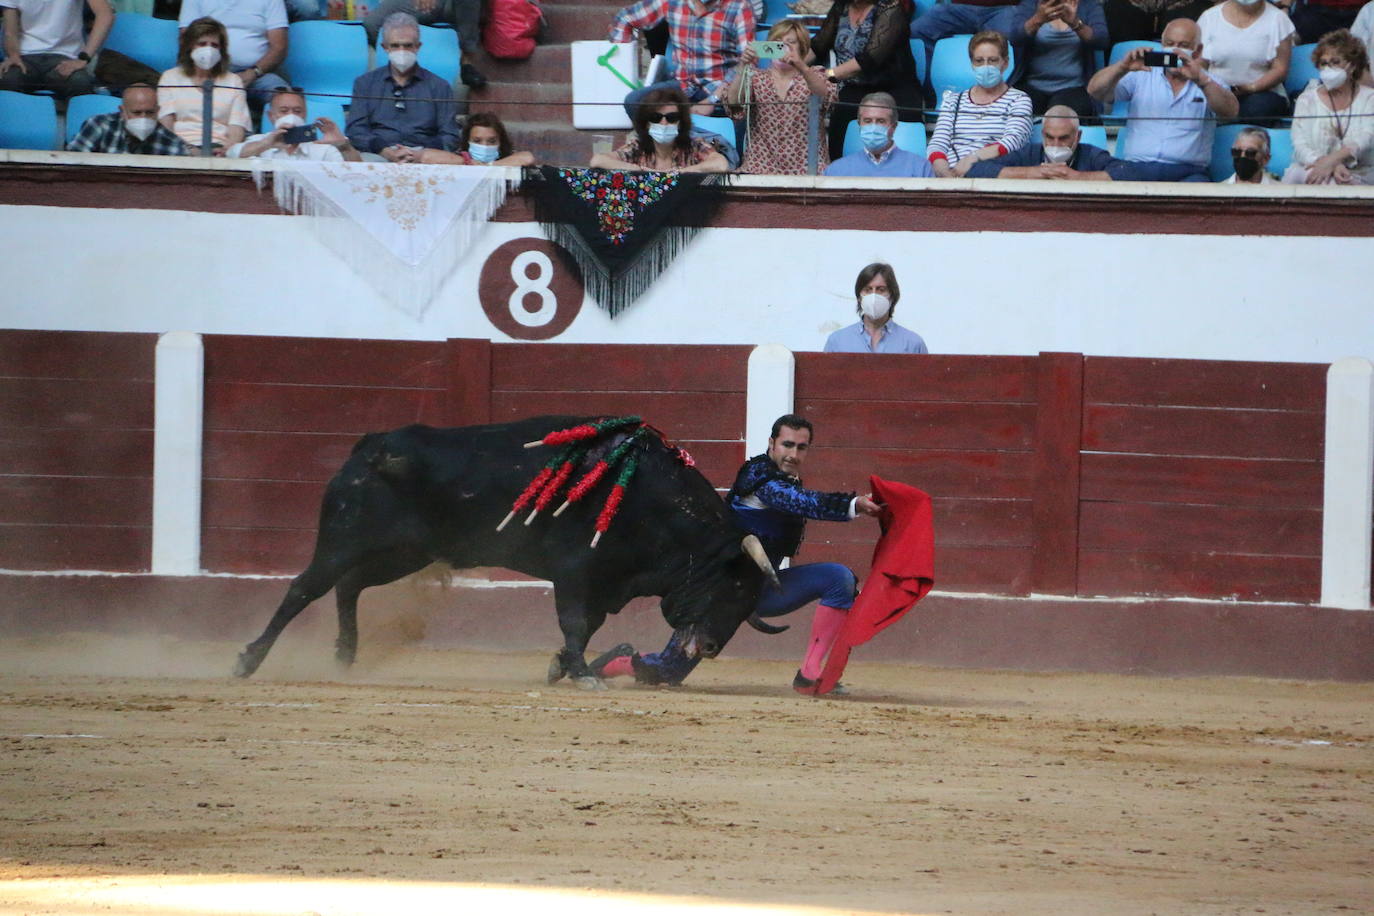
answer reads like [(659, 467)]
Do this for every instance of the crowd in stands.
[(850, 93)]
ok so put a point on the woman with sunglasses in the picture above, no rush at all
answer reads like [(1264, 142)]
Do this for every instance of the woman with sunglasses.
[(1333, 122), (663, 140), (203, 55), (484, 141)]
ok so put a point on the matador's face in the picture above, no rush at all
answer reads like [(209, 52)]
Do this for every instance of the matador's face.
[(788, 449)]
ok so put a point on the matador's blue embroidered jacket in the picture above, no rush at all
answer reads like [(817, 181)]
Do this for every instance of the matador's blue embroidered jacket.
[(774, 505)]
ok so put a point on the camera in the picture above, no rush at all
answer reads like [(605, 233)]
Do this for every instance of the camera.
[(305, 134), (770, 50), (1163, 59)]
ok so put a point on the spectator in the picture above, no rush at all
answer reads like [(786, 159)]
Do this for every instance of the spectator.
[(663, 140), (44, 48), (1061, 156), (880, 157), (464, 15), (1314, 20), (1363, 29), (1172, 115), (287, 110), (1249, 45), (778, 114), (983, 122), (401, 109), (875, 299), (963, 17), (1143, 20), (1055, 43), (203, 55), (708, 38), (257, 40), (1333, 123), (484, 142), (1250, 156), (872, 54), (131, 129)]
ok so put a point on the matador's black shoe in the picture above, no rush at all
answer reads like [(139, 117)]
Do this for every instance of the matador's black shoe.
[(804, 685)]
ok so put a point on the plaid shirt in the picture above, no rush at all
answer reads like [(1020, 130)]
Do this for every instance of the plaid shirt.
[(706, 49), (105, 133)]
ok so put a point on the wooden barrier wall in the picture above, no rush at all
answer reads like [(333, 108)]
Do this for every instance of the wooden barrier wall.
[(1070, 476), (76, 450), (281, 415)]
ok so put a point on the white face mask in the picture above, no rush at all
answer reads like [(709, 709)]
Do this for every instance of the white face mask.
[(142, 128), (1058, 155), (1181, 52), (1247, 2), (287, 121), (663, 133), (1332, 77), (875, 306), (401, 60), (205, 57)]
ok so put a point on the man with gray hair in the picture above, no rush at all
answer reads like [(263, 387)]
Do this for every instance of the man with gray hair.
[(880, 157), (1250, 157), (463, 15), (1060, 156), (401, 108)]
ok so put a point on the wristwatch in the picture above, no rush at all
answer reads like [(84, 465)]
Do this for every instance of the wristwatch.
[(1077, 24), (83, 56), (830, 74)]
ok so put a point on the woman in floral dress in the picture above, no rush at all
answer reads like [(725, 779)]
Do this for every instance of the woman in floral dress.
[(777, 109), (663, 141)]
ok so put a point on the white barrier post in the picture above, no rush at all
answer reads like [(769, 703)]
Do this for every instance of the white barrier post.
[(1348, 499), (772, 369), (178, 413)]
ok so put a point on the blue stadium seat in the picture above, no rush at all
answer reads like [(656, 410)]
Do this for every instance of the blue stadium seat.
[(27, 121), (147, 40), (910, 136), (918, 51), (774, 11), (1120, 148), (950, 69), (1094, 135), (923, 7), (326, 57), (82, 107), (1280, 151), (1119, 50), (1301, 71), (439, 52), (315, 106), (725, 127)]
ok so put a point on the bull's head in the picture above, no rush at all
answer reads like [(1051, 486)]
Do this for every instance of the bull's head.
[(709, 607)]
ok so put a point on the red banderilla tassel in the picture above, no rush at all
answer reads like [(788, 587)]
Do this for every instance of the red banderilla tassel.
[(608, 511), (526, 495), (555, 484), (584, 486)]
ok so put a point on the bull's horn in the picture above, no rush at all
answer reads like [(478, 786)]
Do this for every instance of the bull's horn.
[(754, 547), (757, 623)]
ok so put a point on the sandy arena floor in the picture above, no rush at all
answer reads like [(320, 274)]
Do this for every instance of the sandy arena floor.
[(137, 778)]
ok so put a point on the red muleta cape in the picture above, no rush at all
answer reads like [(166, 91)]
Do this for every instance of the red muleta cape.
[(903, 572)]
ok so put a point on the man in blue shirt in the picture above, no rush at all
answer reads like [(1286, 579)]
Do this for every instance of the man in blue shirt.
[(876, 294), (1061, 156), (880, 157), (1173, 110), (401, 109)]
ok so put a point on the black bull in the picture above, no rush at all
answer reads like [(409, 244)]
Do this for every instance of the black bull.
[(417, 495)]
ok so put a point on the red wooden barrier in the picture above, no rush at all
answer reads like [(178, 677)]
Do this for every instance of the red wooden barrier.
[(76, 450)]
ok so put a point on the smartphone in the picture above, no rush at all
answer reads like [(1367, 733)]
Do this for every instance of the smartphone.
[(1163, 59), (769, 50), (305, 134)]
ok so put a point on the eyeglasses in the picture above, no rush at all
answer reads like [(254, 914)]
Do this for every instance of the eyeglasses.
[(400, 101), (671, 117), (1244, 153)]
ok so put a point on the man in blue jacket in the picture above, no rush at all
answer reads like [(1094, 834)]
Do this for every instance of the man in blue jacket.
[(1060, 155), (768, 500)]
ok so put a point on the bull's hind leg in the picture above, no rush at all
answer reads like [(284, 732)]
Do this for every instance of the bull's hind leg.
[(317, 579), (377, 571)]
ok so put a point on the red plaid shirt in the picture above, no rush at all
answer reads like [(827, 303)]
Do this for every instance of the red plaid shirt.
[(706, 48)]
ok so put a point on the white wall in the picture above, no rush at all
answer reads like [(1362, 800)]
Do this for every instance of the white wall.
[(1270, 298)]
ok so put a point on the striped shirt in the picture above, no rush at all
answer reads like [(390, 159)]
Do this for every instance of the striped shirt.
[(965, 127), (706, 48)]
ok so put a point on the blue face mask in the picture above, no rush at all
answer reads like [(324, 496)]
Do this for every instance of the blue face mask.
[(987, 76), (483, 153), (663, 133), (873, 136)]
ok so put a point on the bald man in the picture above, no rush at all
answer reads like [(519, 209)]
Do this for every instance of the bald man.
[(1172, 111), (1061, 156), (134, 128)]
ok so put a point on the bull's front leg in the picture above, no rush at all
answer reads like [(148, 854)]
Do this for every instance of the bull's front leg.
[(578, 620)]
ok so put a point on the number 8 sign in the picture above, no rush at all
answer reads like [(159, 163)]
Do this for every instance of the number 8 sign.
[(530, 289)]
